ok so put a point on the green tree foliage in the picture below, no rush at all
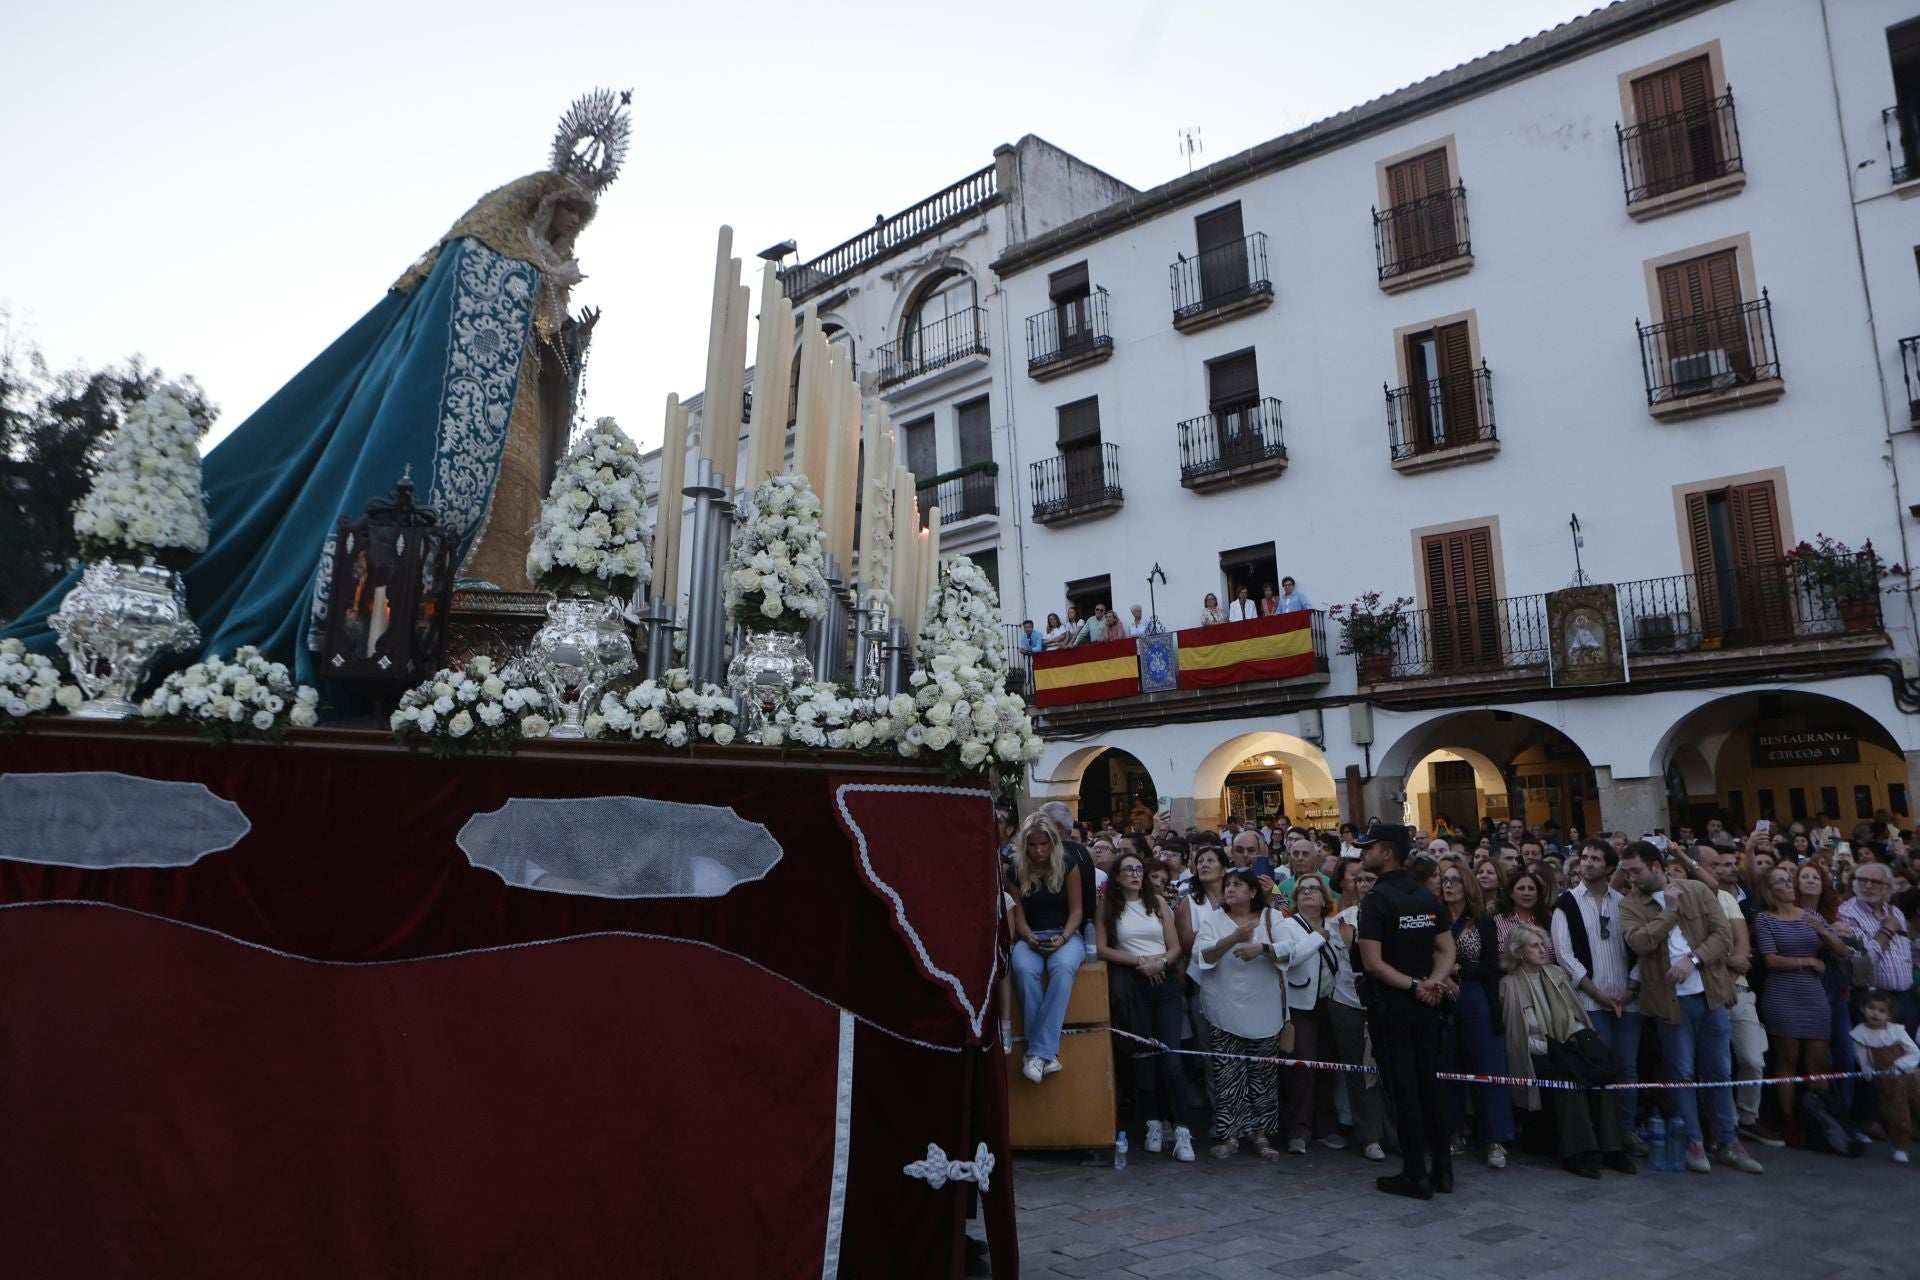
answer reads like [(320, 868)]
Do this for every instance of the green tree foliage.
[(54, 430)]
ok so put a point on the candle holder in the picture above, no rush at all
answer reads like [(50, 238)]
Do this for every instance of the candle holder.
[(899, 655), (706, 600), (870, 648)]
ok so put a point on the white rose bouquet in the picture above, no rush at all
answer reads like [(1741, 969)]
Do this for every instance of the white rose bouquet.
[(963, 609), (470, 711), (592, 531), (29, 685), (961, 711), (671, 709), (821, 715), (775, 574), (147, 498), (245, 696)]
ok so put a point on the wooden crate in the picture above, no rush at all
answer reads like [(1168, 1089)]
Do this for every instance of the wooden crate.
[(1074, 1107), (1087, 1007)]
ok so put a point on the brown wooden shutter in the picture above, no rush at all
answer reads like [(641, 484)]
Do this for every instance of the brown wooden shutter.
[(1677, 141), (975, 431), (1460, 598), (1080, 423), (1761, 573), (1425, 234), (1068, 285), (1223, 253), (1232, 381), (1461, 404), (1700, 299), (1682, 88), (1706, 572), (1219, 228)]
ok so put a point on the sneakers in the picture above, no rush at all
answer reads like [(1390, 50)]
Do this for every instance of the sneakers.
[(1155, 1138), (1764, 1134), (1374, 1152), (1735, 1156), (1033, 1069), (1296, 1146), (1496, 1156), (1697, 1161), (1053, 1065), (1334, 1142), (1900, 1157), (1182, 1146), (1457, 1147)]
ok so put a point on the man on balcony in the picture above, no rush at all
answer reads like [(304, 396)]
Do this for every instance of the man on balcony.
[(1292, 599)]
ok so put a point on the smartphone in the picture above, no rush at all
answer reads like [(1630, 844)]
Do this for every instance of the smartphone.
[(1263, 866), (1833, 842)]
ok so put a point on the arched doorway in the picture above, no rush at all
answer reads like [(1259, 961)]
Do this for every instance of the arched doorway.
[(1109, 785), (1475, 765), (1786, 756), (1261, 775)]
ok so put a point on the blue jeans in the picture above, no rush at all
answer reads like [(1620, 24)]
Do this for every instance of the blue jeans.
[(1700, 1047), (1622, 1034), (1045, 1009), (1471, 1046)]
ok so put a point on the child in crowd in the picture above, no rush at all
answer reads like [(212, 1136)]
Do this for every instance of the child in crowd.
[(1886, 1046)]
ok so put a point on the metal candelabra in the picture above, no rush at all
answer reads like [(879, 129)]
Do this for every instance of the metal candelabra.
[(707, 601)]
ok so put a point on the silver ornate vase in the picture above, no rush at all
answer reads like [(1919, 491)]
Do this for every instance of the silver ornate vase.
[(765, 670), (113, 625), (583, 647)]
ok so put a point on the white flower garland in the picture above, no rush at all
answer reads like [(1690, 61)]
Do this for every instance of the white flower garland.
[(818, 715), (592, 530), (147, 497), (963, 609), (470, 710), (235, 697), (672, 710), (776, 563), (30, 684)]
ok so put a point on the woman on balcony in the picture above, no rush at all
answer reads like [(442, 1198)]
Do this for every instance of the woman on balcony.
[(1058, 634), (1210, 615)]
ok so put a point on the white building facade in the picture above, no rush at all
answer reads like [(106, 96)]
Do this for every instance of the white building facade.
[(1620, 306)]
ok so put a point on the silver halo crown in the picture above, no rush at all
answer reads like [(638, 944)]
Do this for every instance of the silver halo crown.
[(591, 141)]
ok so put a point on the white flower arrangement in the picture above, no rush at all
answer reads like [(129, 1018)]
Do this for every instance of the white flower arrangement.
[(963, 609), (819, 715), (228, 698), (960, 710), (592, 531), (672, 710), (470, 710), (775, 574), (147, 498), (29, 685)]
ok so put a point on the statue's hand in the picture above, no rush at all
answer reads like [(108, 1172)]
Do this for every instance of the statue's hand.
[(588, 318)]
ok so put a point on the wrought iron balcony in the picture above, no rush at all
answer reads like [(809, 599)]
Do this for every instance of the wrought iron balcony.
[(1910, 371), (1902, 126), (1217, 280), (1077, 482), (962, 199), (1422, 233), (1068, 335), (934, 346), (1479, 637), (1737, 608), (1673, 152), (1440, 414), (963, 493), (1711, 352), (1244, 442)]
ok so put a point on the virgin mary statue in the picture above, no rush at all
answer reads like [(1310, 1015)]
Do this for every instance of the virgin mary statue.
[(464, 373)]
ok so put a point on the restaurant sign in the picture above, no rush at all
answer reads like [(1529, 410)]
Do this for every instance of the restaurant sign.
[(1807, 747)]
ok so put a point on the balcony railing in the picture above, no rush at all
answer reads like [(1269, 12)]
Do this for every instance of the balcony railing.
[(922, 220), (1227, 440), (1735, 608), (1422, 233), (1220, 277), (934, 346), (1019, 661), (1710, 352), (963, 493), (1670, 153), (1067, 331), (1077, 481), (1440, 413), (1476, 637), (1902, 126), (1910, 370)]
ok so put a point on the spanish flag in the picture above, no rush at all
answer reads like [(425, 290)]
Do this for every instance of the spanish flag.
[(1271, 648), (1086, 673)]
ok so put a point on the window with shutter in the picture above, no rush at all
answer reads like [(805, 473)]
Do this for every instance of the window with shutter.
[(1704, 324), (1461, 609), (922, 458), (1080, 451), (1742, 583), (1677, 138), (1222, 242), (976, 432), (1442, 400), (1421, 229), (1070, 292)]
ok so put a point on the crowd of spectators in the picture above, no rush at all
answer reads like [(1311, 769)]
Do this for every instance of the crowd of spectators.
[(1105, 624), (1783, 951)]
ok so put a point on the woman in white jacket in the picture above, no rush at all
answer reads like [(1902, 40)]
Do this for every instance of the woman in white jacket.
[(1310, 978), (1244, 950)]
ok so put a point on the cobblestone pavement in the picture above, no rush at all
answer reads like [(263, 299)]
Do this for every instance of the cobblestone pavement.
[(1319, 1215)]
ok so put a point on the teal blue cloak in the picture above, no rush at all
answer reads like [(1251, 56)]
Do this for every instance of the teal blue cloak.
[(426, 379)]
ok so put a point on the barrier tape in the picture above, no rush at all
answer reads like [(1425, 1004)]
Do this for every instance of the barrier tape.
[(1462, 1077)]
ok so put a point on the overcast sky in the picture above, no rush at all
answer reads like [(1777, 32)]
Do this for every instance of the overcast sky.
[(224, 188)]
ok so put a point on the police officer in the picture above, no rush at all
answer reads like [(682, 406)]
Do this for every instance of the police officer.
[(1406, 950)]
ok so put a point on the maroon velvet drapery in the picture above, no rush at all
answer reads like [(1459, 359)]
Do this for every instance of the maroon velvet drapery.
[(338, 1048)]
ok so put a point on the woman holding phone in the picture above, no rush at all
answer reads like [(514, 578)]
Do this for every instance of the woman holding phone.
[(1047, 914)]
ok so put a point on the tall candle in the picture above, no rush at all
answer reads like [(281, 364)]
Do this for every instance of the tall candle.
[(723, 269), (932, 578), (806, 416), (835, 500), (733, 387), (768, 373), (667, 510)]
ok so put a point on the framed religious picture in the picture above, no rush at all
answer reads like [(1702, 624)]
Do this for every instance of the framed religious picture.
[(1583, 636)]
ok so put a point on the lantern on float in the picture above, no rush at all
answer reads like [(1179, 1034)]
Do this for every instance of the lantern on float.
[(389, 594)]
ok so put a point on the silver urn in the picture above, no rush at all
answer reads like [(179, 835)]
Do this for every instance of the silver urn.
[(583, 648), (114, 625), (768, 666)]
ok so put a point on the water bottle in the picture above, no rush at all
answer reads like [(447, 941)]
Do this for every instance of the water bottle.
[(1657, 1153), (1676, 1146), (1120, 1150)]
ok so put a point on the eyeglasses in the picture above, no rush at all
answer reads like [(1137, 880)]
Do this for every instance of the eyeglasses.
[(1130, 871), (1451, 880), (1606, 926)]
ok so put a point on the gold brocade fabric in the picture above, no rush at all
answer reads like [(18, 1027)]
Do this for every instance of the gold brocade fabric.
[(504, 220), (500, 556)]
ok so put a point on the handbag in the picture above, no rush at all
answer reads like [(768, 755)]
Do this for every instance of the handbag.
[(1286, 1040), (1584, 1058)]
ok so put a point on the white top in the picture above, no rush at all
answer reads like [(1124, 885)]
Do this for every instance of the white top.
[(1243, 610), (1678, 949), (1140, 933), (1612, 967), (1245, 997), (1303, 972), (1893, 1033), (1343, 992)]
